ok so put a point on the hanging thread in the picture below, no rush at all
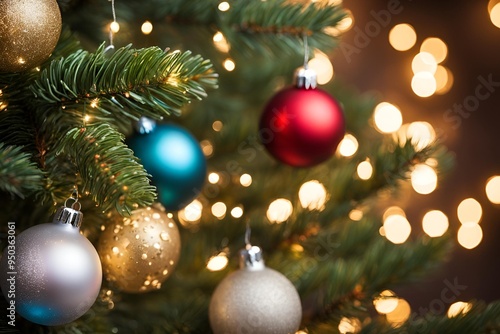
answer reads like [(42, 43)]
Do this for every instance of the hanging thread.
[(111, 33)]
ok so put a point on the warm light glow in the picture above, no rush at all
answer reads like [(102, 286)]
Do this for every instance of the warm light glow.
[(246, 180), (493, 189), (348, 146), (397, 229), (441, 77), (213, 178), (87, 118), (421, 133), (387, 117), (147, 28), (365, 170), (449, 82), (435, 223), (424, 62), (495, 15), (344, 25), (458, 308), (207, 147), (402, 37), (469, 211), (219, 210), (229, 65), (313, 195), (279, 210), (349, 325), (191, 214), (424, 179), (217, 126), (393, 211), (224, 6), (470, 235), (356, 215), (423, 84), (436, 47), (400, 314), (220, 42), (218, 262), (323, 67), (386, 302), (237, 212), (114, 26)]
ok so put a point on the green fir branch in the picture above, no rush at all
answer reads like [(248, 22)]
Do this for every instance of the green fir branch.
[(18, 174), (108, 170), (126, 85)]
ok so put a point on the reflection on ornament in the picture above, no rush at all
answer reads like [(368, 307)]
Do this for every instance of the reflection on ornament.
[(140, 252), (58, 272), (255, 299), (29, 32)]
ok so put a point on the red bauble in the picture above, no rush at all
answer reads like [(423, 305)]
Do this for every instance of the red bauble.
[(302, 127)]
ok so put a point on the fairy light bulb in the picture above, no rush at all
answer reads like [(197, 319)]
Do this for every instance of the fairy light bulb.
[(400, 314), (469, 211), (114, 27), (218, 262), (458, 308), (219, 210), (386, 302), (402, 37), (147, 28), (387, 117), (397, 229), (493, 189), (313, 195), (470, 235), (246, 180), (435, 223), (279, 210), (365, 170), (424, 179), (348, 146)]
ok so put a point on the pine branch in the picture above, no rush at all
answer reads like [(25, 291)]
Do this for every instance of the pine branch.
[(18, 174), (108, 169), (124, 86)]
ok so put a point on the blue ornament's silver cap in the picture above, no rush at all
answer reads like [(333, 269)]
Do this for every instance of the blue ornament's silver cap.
[(305, 78), (70, 216), (251, 258), (145, 125)]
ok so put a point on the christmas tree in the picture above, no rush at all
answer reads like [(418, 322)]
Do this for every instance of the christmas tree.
[(172, 132)]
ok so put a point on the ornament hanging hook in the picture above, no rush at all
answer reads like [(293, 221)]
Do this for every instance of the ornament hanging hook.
[(74, 197), (306, 51), (111, 46), (248, 233)]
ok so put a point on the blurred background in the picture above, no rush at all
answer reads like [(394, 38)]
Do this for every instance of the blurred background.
[(378, 49)]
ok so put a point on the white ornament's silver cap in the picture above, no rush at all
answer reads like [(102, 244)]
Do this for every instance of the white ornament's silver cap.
[(145, 125), (70, 216), (251, 258), (305, 78)]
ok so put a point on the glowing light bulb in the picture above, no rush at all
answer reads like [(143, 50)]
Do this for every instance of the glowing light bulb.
[(424, 179), (397, 229), (424, 84), (229, 65), (435, 223), (147, 28), (114, 26), (323, 67), (313, 195), (246, 180), (348, 146), (356, 215), (387, 117), (213, 178), (219, 210), (422, 134), (207, 147), (237, 212), (365, 170), (218, 262), (393, 211), (493, 189), (495, 15), (217, 126), (469, 211), (458, 308), (224, 6), (470, 235), (279, 210), (402, 37), (400, 314), (424, 62), (436, 47), (349, 325), (191, 214), (220, 42), (386, 302)]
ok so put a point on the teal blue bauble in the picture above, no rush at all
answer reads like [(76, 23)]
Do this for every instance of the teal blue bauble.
[(174, 159)]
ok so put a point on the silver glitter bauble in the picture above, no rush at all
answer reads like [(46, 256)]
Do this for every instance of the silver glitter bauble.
[(29, 31), (255, 300), (139, 252), (50, 272)]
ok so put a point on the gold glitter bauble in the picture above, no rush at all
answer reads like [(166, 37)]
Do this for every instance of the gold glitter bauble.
[(139, 252), (29, 31)]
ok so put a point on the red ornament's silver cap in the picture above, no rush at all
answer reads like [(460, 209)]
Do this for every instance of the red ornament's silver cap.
[(251, 258), (305, 78), (70, 216)]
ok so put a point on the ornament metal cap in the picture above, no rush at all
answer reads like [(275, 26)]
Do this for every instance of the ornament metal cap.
[(145, 125), (251, 258), (305, 78), (65, 215)]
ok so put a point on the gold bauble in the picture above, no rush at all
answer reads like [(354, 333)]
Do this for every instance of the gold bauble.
[(138, 253), (29, 31)]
